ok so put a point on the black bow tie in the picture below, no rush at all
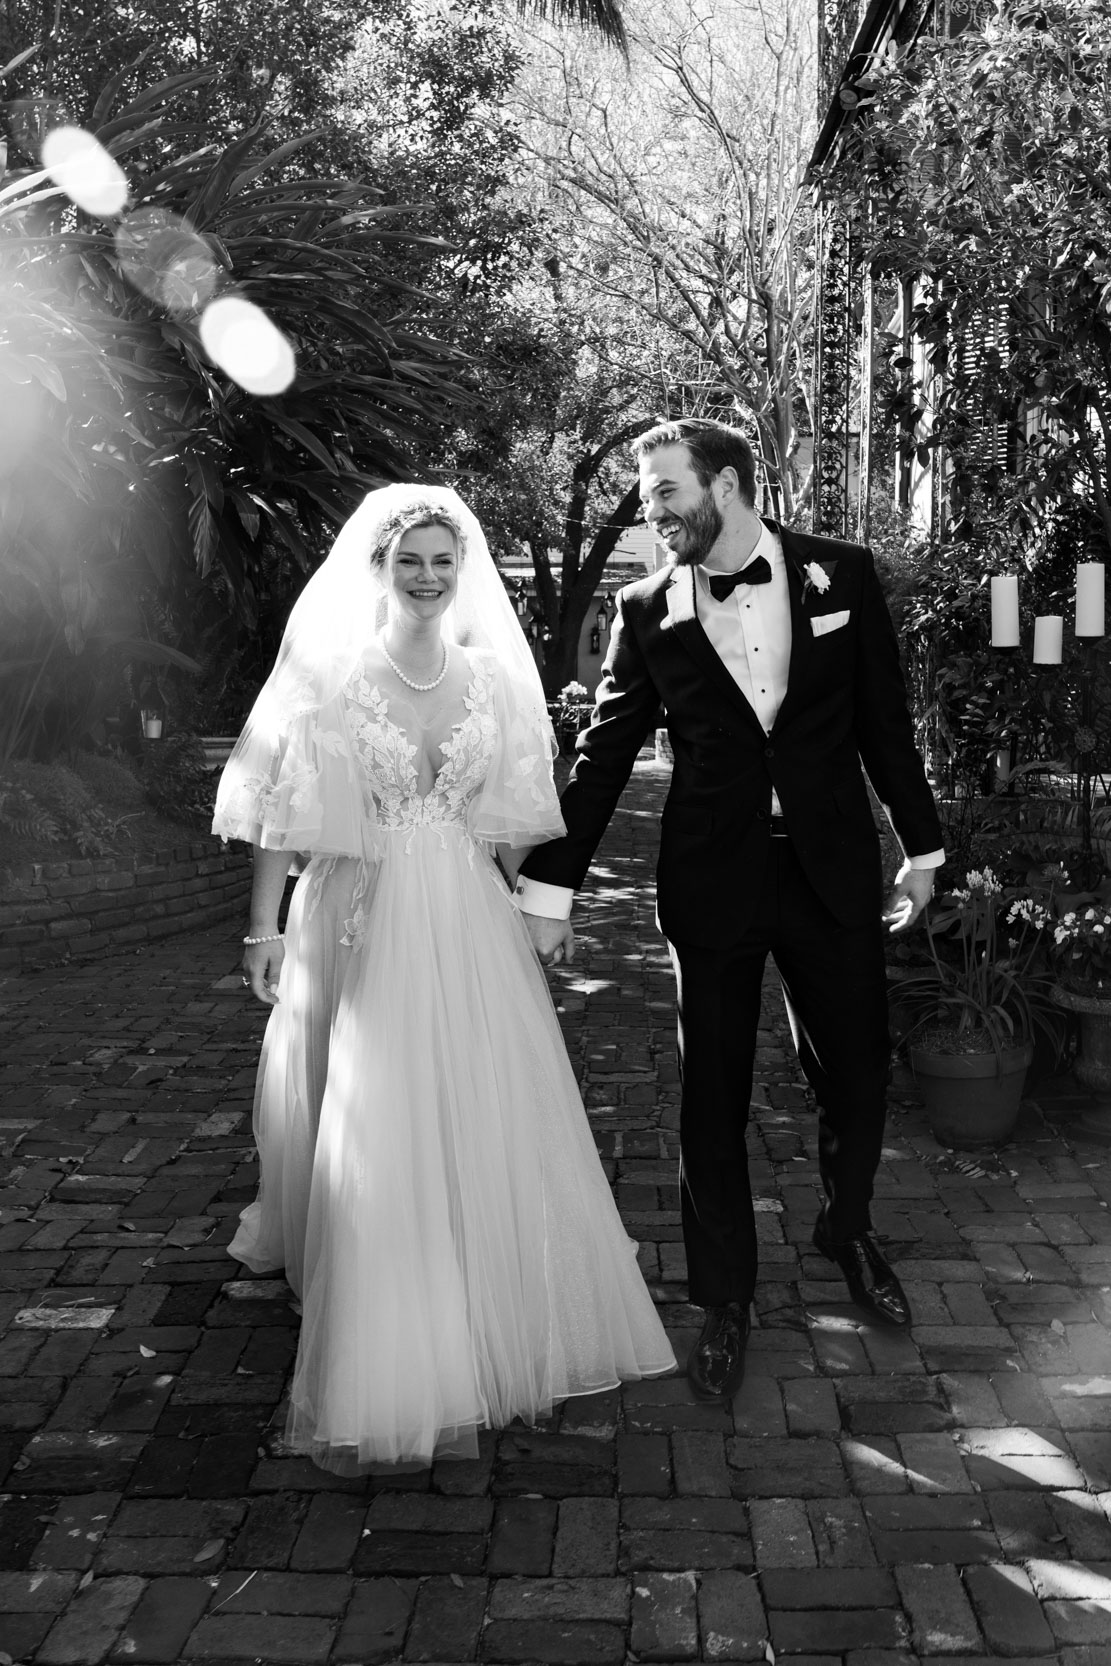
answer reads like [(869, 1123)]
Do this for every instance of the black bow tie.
[(724, 584)]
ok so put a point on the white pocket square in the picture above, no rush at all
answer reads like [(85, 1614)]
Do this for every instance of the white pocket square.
[(822, 623)]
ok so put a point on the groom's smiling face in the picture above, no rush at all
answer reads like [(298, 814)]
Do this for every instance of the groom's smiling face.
[(679, 509)]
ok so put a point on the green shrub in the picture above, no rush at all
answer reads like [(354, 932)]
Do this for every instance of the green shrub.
[(177, 780), (110, 778), (51, 803)]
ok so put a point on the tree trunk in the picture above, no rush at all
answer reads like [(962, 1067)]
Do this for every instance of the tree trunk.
[(561, 661)]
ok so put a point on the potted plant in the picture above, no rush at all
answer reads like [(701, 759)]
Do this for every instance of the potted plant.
[(1082, 961), (571, 714), (977, 1007), (152, 705)]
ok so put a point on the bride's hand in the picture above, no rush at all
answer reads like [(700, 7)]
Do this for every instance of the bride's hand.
[(553, 940), (262, 964)]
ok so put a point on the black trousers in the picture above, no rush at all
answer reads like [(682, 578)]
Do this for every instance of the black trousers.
[(834, 983)]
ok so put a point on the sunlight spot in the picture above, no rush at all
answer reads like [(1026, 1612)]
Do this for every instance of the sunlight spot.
[(1014, 1441), (240, 338), (860, 1453), (1069, 1580), (167, 260), (85, 171), (1032, 1469)]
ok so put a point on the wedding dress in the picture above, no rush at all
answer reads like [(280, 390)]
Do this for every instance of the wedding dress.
[(428, 1178)]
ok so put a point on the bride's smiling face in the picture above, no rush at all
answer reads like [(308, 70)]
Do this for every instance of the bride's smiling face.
[(424, 572)]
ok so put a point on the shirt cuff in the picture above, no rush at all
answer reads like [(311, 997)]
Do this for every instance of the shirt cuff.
[(932, 859), (551, 902)]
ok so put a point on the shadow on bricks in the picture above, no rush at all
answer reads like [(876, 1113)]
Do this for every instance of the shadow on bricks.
[(872, 1498)]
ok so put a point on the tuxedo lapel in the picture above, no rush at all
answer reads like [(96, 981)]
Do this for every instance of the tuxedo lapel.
[(802, 636), (685, 626)]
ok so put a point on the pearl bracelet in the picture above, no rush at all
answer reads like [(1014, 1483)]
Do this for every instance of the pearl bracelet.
[(275, 937)]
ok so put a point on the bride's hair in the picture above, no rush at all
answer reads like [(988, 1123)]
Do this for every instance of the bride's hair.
[(408, 518)]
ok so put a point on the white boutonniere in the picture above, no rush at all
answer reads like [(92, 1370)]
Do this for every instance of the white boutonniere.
[(816, 578)]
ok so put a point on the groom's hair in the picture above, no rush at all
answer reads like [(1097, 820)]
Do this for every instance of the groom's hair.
[(713, 446)]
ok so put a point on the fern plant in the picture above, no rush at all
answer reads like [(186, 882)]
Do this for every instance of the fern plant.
[(52, 806), (178, 781)]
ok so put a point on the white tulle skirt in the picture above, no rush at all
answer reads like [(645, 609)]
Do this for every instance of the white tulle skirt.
[(428, 1178)]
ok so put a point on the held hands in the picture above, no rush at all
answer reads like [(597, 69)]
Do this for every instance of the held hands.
[(553, 940), (262, 962), (911, 891)]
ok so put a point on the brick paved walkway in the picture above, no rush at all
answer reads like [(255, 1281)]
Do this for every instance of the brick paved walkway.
[(872, 1498)]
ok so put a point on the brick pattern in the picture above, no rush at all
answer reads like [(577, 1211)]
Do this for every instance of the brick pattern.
[(871, 1499), (52, 912)]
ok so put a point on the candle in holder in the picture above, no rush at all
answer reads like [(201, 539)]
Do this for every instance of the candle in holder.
[(1048, 630), (1089, 598), (1004, 612)]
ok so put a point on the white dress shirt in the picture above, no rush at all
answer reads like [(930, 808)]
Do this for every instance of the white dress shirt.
[(750, 631)]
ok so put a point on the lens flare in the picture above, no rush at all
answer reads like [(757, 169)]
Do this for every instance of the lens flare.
[(167, 260), (85, 171), (240, 338)]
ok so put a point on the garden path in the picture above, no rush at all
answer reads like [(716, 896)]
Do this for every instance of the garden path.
[(872, 1498)]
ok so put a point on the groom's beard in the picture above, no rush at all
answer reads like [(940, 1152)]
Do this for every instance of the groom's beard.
[(700, 530)]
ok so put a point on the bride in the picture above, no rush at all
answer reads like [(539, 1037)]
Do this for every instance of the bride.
[(428, 1178)]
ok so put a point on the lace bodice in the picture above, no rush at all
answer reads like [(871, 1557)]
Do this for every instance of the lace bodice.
[(387, 759)]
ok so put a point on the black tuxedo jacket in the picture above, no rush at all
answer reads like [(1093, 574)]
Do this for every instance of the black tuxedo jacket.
[(844, 714)]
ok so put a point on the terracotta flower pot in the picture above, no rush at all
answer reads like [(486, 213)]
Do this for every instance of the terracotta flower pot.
[(972, 1099), (1092, 1064)]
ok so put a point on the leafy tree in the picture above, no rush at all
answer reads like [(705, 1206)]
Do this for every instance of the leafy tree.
[(682, 183), (539, 457), (271, 61), (547, 465), (422, 100), (129, 462), (262, 60), (145, 495), (982, 163)]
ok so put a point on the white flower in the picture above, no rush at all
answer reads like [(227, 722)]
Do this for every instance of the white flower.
[(1025, 908), (817, 575)]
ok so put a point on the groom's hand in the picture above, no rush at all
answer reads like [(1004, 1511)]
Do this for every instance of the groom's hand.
[(553, 940), (910, 893)]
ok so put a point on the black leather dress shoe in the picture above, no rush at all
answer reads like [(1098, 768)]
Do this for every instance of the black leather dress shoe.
[(872, 1284), (716, 1367)]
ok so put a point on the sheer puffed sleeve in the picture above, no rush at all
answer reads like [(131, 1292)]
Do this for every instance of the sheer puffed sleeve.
[(291, 784), (518, 803)]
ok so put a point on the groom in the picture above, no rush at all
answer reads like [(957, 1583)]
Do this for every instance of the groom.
[(775, 660)]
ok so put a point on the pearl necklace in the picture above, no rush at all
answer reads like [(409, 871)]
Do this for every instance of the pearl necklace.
[(421, 688)]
